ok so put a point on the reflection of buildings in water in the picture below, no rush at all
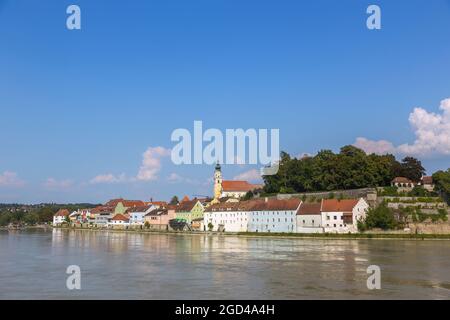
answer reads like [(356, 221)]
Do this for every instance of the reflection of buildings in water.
[(227, 255), (306, 264), (339, 261)]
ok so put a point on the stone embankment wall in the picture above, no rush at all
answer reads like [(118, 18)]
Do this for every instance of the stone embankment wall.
[(418, 228)]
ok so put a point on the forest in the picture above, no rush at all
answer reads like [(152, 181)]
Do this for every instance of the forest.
[(351, 168)]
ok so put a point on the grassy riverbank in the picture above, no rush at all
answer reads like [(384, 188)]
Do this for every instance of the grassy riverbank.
[(322, 236), (350, 236)]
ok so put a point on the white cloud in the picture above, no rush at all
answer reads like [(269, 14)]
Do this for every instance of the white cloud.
[(108, 178), (173, 177), (250, 175), (151, 163), (10, 179), (378, 147), (432, 131), (176, 178), (148, 171), (52, 183)]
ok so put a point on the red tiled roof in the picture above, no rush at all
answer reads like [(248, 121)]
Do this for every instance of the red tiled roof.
[(401, 180), (158, 203), (334, 205), (157, 212), (138, 209), (102, 209), (257, 205), (186, 206), (309, 208), (62, 213), (239, 186), (273, 204), (113, 202), (120, 217), (427, 180), (228, 206), (126, 203), (185, 198), (132, 203)]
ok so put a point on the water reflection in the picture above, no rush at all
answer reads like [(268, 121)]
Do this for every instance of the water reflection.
[(126, 265)]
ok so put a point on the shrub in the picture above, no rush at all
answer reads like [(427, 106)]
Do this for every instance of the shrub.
[(389, 191), (381, 217)]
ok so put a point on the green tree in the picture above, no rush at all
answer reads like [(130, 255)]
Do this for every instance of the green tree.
[(174, 201), (327, 171), (5, 218), (46, 213), (441, 180), (412, 169), (31, 218), (249, 195), (381, 217)]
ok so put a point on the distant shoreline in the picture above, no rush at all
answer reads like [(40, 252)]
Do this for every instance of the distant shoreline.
[(323, 236)]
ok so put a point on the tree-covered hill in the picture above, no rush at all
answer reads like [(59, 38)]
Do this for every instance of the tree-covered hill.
[(351, 168)]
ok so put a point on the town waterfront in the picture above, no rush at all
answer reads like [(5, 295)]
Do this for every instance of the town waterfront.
[(121, 265)]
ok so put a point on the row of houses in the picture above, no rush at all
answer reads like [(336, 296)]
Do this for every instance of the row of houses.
[(286, 216), (257, 215), (120, 213), (225, 212)]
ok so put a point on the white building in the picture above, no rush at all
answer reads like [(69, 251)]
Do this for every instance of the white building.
[(309, 218), (137, 214), (273, 215), (227, 216), (101, 215), (60, 217), (342, 216), (261, 215), (331, 215), (119, 220), (80, 216)]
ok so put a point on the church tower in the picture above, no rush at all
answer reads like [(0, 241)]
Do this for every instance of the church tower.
[(217, 183)]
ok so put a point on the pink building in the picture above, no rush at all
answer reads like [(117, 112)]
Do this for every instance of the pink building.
[(158, 219)]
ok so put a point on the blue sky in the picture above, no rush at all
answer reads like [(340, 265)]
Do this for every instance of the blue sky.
[(76, 105)]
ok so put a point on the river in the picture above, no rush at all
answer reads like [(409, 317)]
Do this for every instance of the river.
[(120, 265)]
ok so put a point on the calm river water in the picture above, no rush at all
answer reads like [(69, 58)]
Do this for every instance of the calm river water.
[(118, 265)]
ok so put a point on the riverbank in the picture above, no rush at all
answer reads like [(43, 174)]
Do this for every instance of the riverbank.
[(319, 236), (44, 227)]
